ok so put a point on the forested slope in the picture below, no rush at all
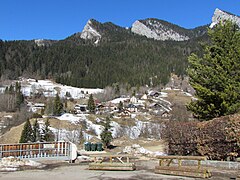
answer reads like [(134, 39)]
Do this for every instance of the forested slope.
[(121, 56)]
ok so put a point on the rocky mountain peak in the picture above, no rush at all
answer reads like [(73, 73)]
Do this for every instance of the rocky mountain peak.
[(158, 29), (90, 32), (220, 16)]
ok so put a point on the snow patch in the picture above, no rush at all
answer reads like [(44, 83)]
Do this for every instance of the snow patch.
[(13, 164), (117, 100), (50, 89), (136, 149)]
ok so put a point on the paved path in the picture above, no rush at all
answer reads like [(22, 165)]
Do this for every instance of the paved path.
[(65, 171), (80, 172)]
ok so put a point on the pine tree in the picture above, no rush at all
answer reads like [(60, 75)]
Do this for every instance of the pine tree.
[(11, 89), (19, 95), (216, 75), (36, 131), (47, 134), (58, 106), (27, 133), (120, 106), (106, 135), (91, 104)]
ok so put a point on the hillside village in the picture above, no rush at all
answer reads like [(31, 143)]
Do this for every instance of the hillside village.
[(131, 115)]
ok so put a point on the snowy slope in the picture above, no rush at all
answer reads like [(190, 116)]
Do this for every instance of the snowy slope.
[(50, 89)]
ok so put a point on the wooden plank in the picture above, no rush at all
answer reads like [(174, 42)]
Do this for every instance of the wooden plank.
[(110, 155), (182, 170), (182, 173), (176, 168), (203, 158), (112, 166)]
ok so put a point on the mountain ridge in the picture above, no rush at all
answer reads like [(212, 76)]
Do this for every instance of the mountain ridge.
[(105, 54)]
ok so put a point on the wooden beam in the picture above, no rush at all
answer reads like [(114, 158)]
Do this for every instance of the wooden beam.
[(120, 159), (112, 155), (112, 166), (203, 158)]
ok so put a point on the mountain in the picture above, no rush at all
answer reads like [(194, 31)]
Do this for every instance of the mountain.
[(159, 30), (220, 16), (97, 32), (163, 30), (104, 54)]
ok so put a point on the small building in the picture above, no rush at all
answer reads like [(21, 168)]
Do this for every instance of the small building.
[(154, 93), (133, 100), (100, 108), (144, 97), (125, 113), (132, 108), (80, 108), (37, 107)]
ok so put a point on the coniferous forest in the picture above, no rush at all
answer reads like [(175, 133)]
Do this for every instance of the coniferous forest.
[(120, 56)]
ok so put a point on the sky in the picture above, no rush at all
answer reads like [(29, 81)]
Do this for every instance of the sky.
[(58, 19)]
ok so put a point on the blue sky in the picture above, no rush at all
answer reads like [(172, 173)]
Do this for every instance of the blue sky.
[(57, 19)]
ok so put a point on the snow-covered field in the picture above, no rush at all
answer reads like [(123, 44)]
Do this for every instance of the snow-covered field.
[(50, 89)]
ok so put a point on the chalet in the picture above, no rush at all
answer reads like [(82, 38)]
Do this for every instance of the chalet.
[(133, 100), (160, 110), (154, 93), (132, 108), (125, 114), (38, 107), (100, 108), (80, 108), (158, 106)]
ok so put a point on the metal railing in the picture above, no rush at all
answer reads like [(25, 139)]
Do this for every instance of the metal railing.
[(57, 150)]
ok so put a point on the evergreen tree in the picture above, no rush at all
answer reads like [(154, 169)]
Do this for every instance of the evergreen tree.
[(106, 135), (47, 134), (27, 133), (58, 106), (120, 106), (6, 90), (36, 131), (216, 75), (49, 107), (11, 89), (91, 104), (116, 89), (19, 95)]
